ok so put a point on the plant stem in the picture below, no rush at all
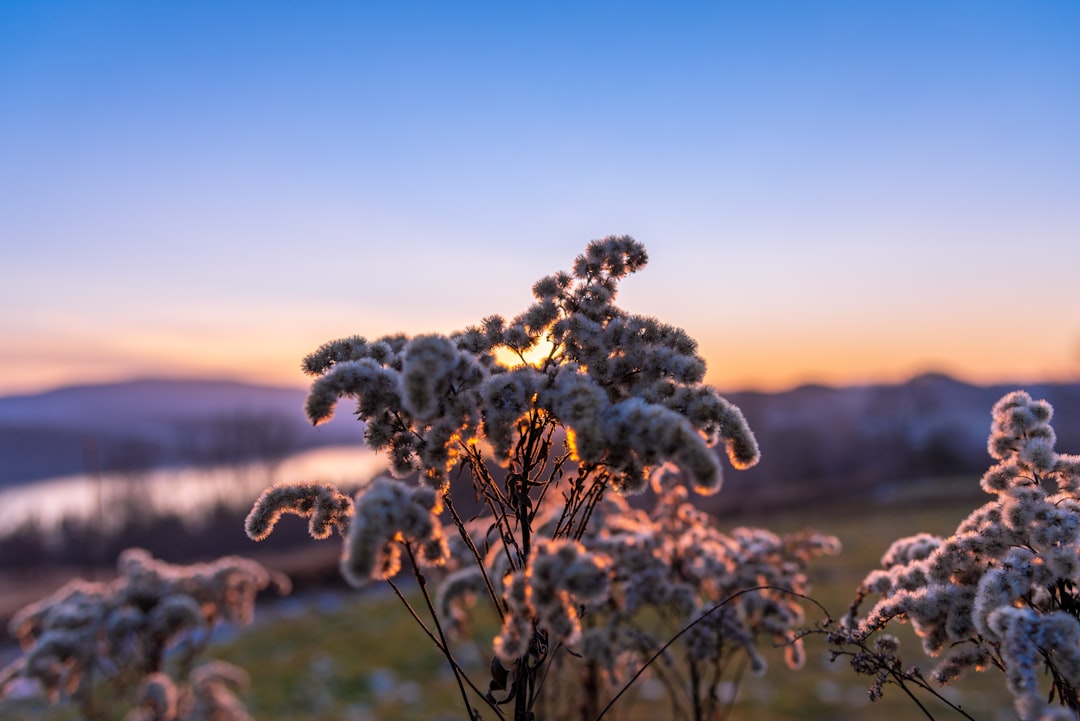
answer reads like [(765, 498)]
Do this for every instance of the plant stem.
[(442, 649), (458, 673), (687, 627), (495, 603)]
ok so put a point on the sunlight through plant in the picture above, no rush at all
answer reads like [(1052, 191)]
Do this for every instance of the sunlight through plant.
[(534, 428)]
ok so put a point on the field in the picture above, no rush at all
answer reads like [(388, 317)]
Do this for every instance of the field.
[(356, 657)]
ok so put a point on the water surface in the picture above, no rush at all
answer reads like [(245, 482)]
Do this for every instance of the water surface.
[(187, 490)]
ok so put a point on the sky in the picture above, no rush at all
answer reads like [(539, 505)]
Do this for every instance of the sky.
[(833, 192)]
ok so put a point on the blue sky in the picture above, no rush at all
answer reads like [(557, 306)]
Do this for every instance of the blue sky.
[(829, 191)]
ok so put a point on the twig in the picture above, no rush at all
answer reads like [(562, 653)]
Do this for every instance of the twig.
[(495, 603), (458, 673), (442, 649), (696, 621)]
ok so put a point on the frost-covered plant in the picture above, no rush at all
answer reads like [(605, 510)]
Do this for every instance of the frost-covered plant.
[(133, 644), (1003, 591), (538, 420)]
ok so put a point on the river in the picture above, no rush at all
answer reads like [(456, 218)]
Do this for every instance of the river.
[(186, 490)]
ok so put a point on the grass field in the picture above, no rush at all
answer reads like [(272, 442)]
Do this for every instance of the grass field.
[(355, 657)]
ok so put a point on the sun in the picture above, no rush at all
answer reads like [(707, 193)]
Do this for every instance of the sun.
[(535, 356)]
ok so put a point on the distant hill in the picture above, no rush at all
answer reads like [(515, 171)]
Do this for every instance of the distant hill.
[(820, 442), (154, 422), (817, 441)]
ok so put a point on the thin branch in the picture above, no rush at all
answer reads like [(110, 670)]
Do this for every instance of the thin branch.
[(593, 496), (495, 603), (740, 671), (458, 673), (442, 649), (693, 623), (672, 683), (905, 689), (916, 676), (899, 677), (555, 470)]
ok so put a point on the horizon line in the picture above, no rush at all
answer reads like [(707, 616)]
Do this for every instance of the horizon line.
[(232, 379)]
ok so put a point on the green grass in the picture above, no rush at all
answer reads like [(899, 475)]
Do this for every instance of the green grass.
[(332, 663), (361, 657), (832, 691), (323, 664)]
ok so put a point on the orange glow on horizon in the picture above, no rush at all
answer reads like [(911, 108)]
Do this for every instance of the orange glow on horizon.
[(774, 361), (776, 364)]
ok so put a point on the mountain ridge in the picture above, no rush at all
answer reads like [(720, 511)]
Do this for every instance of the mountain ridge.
[(150, 422), (811, 435)]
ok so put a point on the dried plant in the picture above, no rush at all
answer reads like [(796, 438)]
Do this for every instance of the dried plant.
[(546, 420), (663, 592), (133, 644), (1002, 592)]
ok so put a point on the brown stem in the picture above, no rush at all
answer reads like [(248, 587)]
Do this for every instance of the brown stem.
[(695, 691), (495, 602), (459, 673), (708, 612)]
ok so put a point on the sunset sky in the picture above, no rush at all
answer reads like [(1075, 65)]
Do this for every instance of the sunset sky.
[(839, 192)]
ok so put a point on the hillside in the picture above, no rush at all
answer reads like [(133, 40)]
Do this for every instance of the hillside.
[(154, 422), (820, 443), (816, 441)]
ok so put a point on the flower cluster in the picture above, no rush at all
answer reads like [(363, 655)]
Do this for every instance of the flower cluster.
[(628, 388), (88, 633), (1004, 589), (389, 516), (326, 508), (731, 589), (590, 403), (598, 596), (544, 597)]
